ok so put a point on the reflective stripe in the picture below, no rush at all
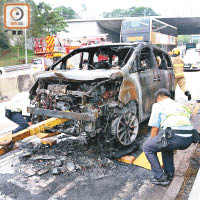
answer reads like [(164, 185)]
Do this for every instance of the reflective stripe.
[(183, 123), (184, 135), (183, 119), (179, 74), (16, 110), (178, 65), (187, 110), (176, 121), (179, 114), (13, 110)]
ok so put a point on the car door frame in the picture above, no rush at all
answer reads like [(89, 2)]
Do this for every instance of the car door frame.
[(148, 81), (164, 71)]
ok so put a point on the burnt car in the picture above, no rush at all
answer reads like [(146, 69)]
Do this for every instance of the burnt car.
[(106, 89)]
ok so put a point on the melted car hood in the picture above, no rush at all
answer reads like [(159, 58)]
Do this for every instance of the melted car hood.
[(81, 75)]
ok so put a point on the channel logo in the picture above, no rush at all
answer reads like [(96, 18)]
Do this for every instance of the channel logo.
[(16, 16)]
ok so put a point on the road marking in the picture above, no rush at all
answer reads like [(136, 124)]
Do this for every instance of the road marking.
[(33, 184), (7, 165), (147, 184), (62, 193), (125, 191)]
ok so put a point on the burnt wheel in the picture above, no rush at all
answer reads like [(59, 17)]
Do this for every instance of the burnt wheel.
[(127, 128)]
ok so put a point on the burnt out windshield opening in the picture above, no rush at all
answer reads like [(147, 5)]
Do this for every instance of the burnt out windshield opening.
[(105, 57)]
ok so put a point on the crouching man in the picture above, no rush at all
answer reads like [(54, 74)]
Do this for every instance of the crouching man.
[(16, 111), (171, 130)]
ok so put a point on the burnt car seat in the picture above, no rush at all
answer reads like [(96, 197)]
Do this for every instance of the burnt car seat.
[(103, 65), (163, 64)]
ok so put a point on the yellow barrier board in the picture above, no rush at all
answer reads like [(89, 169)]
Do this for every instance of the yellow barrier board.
[(32, 130), (127, 159), (46, 135), (142, 161)]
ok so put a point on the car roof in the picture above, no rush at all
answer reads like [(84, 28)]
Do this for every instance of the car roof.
[(108, 45), (134, 44)]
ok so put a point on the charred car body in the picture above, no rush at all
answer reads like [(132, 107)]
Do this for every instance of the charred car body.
[(108, 92)]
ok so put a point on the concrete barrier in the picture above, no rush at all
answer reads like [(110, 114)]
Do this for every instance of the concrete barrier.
[(12, 85), (25, 82), (8, 86)]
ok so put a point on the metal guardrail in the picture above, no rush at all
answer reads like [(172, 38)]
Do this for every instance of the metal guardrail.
[(3, 70)]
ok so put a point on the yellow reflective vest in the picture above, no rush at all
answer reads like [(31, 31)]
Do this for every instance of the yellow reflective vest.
[(181, 117)]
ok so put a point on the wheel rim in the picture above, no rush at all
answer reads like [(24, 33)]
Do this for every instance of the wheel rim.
[(127, 128)]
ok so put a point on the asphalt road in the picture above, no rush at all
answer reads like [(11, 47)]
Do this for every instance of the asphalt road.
[(193, 85)]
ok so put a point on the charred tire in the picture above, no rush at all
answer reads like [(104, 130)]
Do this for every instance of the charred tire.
[(126, 128)]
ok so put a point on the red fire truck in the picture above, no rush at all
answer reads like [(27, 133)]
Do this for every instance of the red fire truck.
[(51, 48)]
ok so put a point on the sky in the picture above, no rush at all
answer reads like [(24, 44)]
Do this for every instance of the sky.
[(168, 8)]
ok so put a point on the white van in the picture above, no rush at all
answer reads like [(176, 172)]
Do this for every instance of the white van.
[(192, 59), (38, 64)]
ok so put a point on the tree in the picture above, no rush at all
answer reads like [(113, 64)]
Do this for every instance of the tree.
[(141, 11), (2, 2), (131, 12), (36, 26), (4, 42), (183, 39), (84, 7), (83, 13), (51, 22), (118, 12), (67, 12), (19, 43)]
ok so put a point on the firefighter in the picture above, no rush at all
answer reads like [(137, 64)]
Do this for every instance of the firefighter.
[(178, 66), (171, 130)]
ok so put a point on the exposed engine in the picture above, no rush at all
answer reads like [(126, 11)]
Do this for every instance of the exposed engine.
[(83, 97)]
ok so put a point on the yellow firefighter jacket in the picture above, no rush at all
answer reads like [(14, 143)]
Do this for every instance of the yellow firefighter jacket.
[(178, 66)]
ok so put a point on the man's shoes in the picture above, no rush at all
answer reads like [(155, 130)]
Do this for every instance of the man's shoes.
[(187, 93), (170, 176), (163, 180)]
